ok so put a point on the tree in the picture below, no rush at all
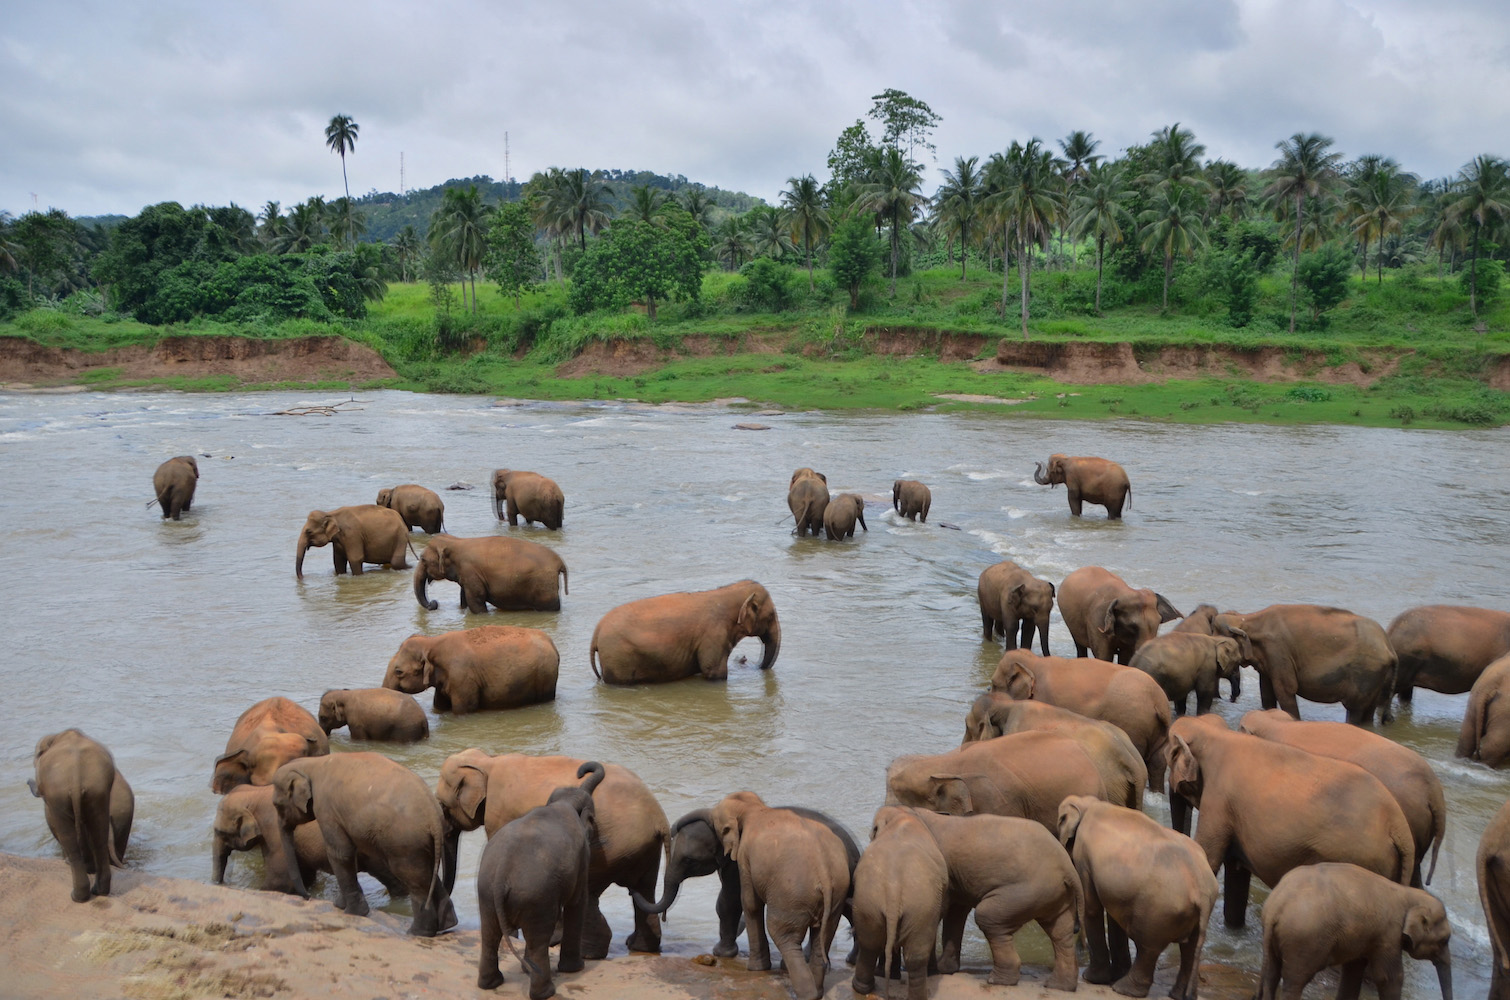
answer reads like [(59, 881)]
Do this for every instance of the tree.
[(636, 261), (458, 228), (303, 227), (1226, 190), (1323, 276), (646, 204), (698, 204), (341, 137), (270, 221), (8, 247), (346, 222), (848, 160), (43, 241), (803, 201), (1025, 198), (407, 248), (1098, 209), (957, 202), (904, 118), (512, 260), (892, 191), (769, 231), (733, 244), (1380, 197), (1482, 198), (1171, 225), (1305, 168), (586, 201), (1177, 158), (852, 256)]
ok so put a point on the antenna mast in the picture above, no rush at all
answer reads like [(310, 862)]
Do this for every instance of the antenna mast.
[(401, 173), (507, 176)]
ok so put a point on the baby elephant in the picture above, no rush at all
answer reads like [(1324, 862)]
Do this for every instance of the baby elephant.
[(75, 780), (901, 887), (173, 483), (840, 515), (1183, 662), (419, 507), (374, 714), (1340, 914), (911, 499)]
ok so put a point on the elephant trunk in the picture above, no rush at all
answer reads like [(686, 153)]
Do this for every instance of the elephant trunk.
[(1179, 812), (449, 851), (772, 643), (1236, 680), (291, 860), (1038, 475), (673, 885), (299, 555), (222, 855), (1443, 962), (498, 503), (421, 581)]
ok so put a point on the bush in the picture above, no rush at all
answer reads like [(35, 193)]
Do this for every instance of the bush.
[(1323, 275), (767, 286), (1490, 273)]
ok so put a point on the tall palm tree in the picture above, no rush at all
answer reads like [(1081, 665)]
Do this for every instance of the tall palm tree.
[(8, 247), (893, 192), (347, 222), (699, 204), (587, 202), (458, 229), (1098, 209), (803, 201), (1026, 197), (1305, 169), (406, 247), (1446, 231), (1177, 158), (1172, 224), (1482, 199), (958, 202), (647, 204), (769, 231), (341, 137), (1226, 190), (733, 244), (1079, 154), (545, 194), (1379, 198)]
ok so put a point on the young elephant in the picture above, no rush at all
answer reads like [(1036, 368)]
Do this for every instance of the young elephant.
[(374, 714), (668, 638), (1485, 733), (173, 484), (1183, 662), (1088, 480), (901, 888), (509, 573), (840, 515), (807, 498), (266, 736), (1443, 647), (75, 777), (1493, 866), (364, 533), (528, 495), (489, 667), (1199, 621), (1141, 881), (1108, 619), (793, 871), (533, 875), (1011, 598), (367, 804), (1340, 914), (419, 507), (911, 499)]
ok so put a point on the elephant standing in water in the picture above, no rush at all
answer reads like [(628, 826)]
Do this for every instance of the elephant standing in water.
[(528, 495), (75, 777), (509, 573), (374, 714), (901, 889), (419, 507), (364, 533), (911, 499), (807, 498), (1493, 865), (840, 515), (1108, 619), (1485, 733), (173, 484), (473, 669), (1183, 662), (1088, 480), (674, 636), (1443, 647), (1011, 598)]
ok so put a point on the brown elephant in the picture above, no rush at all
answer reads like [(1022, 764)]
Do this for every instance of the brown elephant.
[(509, 573), (1400, 769), (374, 714), (266, 736), (901, 887), (1444, 647), (1266, 808), (1129, 699), (489, 667), (674, 636), (1198, 621), (1141, 881), (1183, 662), (528, 495), (1024, 774), (369, 805), (1318, 653), (840, 515), (173, 485), (1485, 733), (807, 498), (1088, 480), (1493, 866), (911, 499), (793, 877), (75, 778), (419, 507), (1012, 599), (476, 789), (1340, 914), (364, 533), (1108, 619)]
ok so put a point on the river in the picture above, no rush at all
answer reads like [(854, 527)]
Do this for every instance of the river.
[(153, 636)]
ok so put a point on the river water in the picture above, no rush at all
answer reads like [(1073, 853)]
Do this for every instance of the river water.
[(153, 636)]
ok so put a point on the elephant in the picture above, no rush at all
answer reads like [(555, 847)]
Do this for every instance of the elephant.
[(901, 887), (528, 495), (695, 850), (173, 485), (674, 636), (374, 714), (911, 499), (368, 805), (996, 714), (419, 507), (1340, 914), (364, 533), (266, 736), (1267, 808), (533, 875), (807, 498), (509, 573), (1319, 653), (792, 870), (1444, 647), (1106, 617), (1024, 774), (1198, 621), (1493, 867), (1129, 699), (1012, 599), (489, 667), (1485, 733), (122, 812), (476, 790), (1183, 662), (840, 515), (1088, 480), (1141, 881), (1400, 769), (247, 819), (75, 779)]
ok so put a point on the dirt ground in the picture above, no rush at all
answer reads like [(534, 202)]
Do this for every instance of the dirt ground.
[(158, 938), (302, 359)]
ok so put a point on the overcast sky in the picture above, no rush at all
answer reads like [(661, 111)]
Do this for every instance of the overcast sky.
[(110, 106)]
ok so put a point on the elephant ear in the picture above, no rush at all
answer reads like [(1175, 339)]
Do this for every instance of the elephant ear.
[(749, 613), (1022, 682), (35, 791), (1167, 611), (430, 674), (1014, 596), (1053, 591), (1108, 620), (1184, 770), (312, 748), (1416, 926), (328, 526), (949, 795), (297, 792), (471, 789), (230, 770), (1071, 813)]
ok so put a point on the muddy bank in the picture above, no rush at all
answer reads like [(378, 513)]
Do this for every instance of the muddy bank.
[(1123, 364), (301, 359)]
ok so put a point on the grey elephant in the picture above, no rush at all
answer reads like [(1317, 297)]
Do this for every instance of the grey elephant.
[(173, 485), (529, 495), (911, 499), (1185, 662), (74, 779), (807, 498), (1011, 598), (901, 890), (420, 507), (374, 714), (840, 515)]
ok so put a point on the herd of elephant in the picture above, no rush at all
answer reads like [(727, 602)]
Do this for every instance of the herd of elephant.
[(1037, 816)]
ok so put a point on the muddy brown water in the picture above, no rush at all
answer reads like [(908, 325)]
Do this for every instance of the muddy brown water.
[(153, 636)]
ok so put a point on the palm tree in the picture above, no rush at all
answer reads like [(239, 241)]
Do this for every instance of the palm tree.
[(8, 247), (1483, 199), (1079, 154), (803, 201), (406, 247), (958, 202), (271, 223), (769, 231), (647, 204), (1171, 225), (1305, 169), (346, 221), (341, 137), (699, 204), (892, 192), (733, 246), (303, 227), (586, 201), (1446, 230), (458, 229), (1226, 190), (1098, 209), (1178, 158), (545, 193), (1027, 199), (1379, 198)]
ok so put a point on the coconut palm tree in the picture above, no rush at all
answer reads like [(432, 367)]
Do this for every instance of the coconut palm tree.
[(458, 229), (1098, 209), (892, 192), (769, 231), (1305, 169), (341, 137), (1177, 159), (1482, 200), (270, 223), (1172, 224), (587, 202), (1079, 154), (1445, 231), (733, 244), (1226, 190), (647, 204), (347, 222), (303, 227), (957, 202), (699, 204), (545, 194), (1379, 198), (1026, 198), (406, 247), (803, 201)]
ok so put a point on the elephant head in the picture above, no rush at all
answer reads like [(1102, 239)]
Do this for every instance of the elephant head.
[(1185, 783), (804, 473), (409, 670), (236, 828), (1136, 617), (333, 710), (501, 479), (729, 819), (1014, 677), (1055, 474), (243, 765), (695, 851), (437, 562), (1425, 936), (385, 498), (1071, 811), (1229, 656), (1199, 620), (293, 799), (1230, 625), (462, 791), (319, 529), (756, 618)]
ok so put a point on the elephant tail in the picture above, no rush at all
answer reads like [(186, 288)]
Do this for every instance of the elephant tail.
[(1077, 890), (508, 939), (1268, 983), (893, 918), (1405, 851), (1471, 735), (1129, 496), (565, 580), (592, 658)]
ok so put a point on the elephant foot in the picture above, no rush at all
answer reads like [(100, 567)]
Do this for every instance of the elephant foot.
[(1129, 986), (1007, 978), (489, 980), (862, 987), (1066, 983), (758, 964), (594, 952), (544, 994), (570, 965), (357, 907), (1099, 975), (80, 895), (948, 965), (726, 950), (644, 942)]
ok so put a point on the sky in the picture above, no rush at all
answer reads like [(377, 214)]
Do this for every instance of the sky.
[(106, 107)]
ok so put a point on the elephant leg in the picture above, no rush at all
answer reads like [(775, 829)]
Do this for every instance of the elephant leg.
[(756, 945), (954, 935), (987, 627), (537, 960), (356, 555), (513, 512), (1081, 651), (1181, 706), (1121, 957), (1139, 977), (787, 929), (729, 911), (338, 557), (998, 923), (97, 829), (489, 976), (1099, 971), (1061, 932), (473, 595), (1350, 981), (73, 852), (573, 927), (1235, 892), (1266, 695), (400, 551), (1075, 501), (350, 896), (646, 935), (1188, 981), (597, 936)]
